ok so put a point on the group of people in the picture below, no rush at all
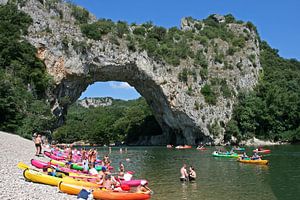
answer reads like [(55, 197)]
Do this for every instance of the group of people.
[(88, 159), (187, 175), (254, 157)]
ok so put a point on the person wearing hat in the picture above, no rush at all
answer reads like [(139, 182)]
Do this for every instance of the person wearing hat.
[(143, 188)]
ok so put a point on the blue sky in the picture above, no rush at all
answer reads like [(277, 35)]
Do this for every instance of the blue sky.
[(277, 22)]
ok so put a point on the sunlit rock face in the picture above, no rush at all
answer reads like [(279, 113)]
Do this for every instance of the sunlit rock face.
[(75, 62)]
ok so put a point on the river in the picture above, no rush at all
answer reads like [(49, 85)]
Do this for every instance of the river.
[(217, 178)]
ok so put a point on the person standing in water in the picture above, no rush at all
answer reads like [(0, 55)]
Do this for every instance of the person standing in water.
[(192, 174), (184, 175)]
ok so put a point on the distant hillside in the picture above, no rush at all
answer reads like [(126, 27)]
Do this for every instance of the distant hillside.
[(95, 101)]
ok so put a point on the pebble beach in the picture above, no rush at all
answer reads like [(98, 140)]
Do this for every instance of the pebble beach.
[(13, 185)]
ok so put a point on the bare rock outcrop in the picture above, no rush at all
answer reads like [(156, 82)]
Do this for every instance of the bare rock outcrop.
[(75, 61)]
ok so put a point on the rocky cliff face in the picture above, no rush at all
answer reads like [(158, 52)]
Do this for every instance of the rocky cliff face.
[(180, 96), (95, 102)]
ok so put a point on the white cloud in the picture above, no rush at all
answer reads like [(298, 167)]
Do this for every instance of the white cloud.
[(120, 85)]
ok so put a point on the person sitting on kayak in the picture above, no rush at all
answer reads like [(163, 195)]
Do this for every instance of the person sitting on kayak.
[(255, 157), (244, 156), (143, 188), (92, 170), (192, 174), (184, 175), (109, 182)]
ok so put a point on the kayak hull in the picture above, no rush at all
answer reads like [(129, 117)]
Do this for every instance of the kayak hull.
[(225, 155), (102, 194), (39, 177), (257, 162), (52, 156), (39, 164)]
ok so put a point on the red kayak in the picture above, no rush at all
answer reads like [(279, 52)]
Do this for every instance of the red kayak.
[(262, 151), (52, 156)]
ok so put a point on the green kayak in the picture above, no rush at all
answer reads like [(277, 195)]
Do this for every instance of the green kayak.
[(79, 167), (225, 155)]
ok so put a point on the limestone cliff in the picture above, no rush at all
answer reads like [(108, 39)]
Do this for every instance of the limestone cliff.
[(95, 102), (192, 101)]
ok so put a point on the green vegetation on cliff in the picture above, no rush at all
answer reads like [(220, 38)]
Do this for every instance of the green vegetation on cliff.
[(122, 121), (23, 79), (272, 110)]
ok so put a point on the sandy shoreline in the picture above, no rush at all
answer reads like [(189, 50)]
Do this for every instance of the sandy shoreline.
[(12, 183)]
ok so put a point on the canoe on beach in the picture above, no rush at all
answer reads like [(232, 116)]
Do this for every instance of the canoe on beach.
[(102, 194)]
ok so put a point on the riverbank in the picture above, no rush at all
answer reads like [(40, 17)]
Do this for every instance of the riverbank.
[(13, 185)]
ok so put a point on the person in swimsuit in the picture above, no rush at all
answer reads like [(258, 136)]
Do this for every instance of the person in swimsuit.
[(143, 188), (38, 144), (192, 174), (184, 175)]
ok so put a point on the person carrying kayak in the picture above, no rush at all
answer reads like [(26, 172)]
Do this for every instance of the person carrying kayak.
[(184, 175)]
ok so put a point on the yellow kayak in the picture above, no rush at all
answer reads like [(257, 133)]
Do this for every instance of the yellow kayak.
[(60, 163), (39, 177), (257, 162)]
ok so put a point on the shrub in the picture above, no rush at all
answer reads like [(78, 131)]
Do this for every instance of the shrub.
[(81, 15), (204, 73), (239, 42), (225, 90), (200, 59), (157, 32), (121, 29), (229, 18), (183, 75), (97, 29), (139, 31), (209, 94), (231, 51)]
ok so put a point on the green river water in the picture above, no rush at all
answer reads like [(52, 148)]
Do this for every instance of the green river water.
[(217, 178)]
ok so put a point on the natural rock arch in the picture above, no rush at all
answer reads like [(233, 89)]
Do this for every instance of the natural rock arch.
[(75, 62)]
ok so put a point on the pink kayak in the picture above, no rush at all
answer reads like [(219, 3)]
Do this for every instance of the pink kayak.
[(132, 183), (52, 156), (39, 164)]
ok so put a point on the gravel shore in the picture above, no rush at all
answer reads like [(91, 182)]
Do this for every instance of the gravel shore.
[(12, 183)]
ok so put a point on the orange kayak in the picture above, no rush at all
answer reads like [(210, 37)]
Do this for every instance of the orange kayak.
[(102, 194)]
